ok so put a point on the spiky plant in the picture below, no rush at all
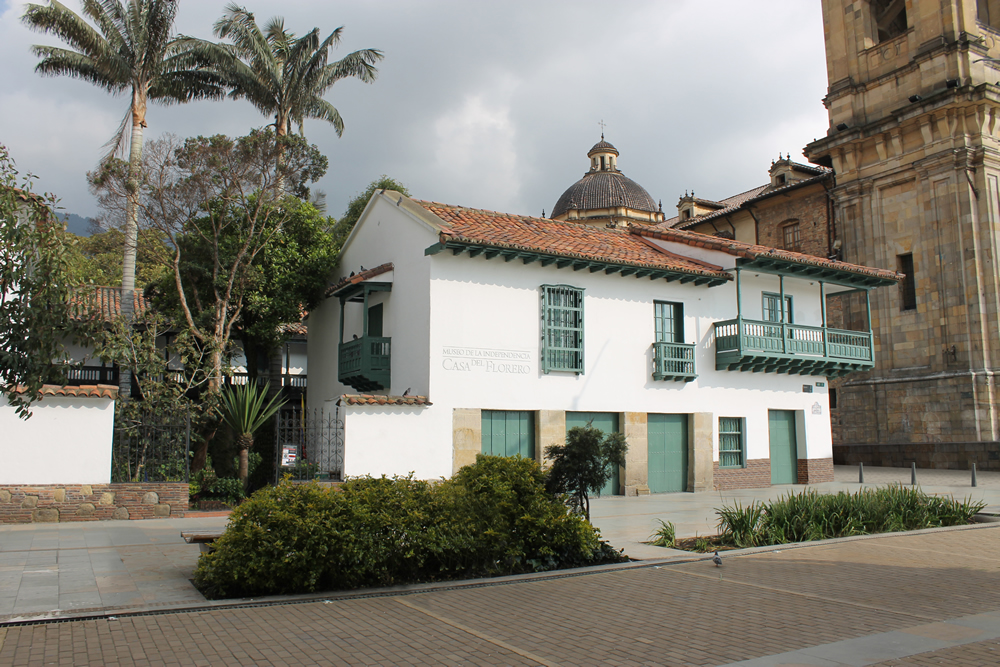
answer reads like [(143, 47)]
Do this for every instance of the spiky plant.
[(244, 410)]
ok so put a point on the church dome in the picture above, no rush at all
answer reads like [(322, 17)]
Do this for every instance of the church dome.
[(604, 187)]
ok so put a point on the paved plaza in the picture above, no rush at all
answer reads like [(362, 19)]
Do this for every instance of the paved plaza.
[(913, 599)]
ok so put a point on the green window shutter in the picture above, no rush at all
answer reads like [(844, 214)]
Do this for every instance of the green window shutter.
[(562, 328), (669, 322), (508, 433), (732, 451)]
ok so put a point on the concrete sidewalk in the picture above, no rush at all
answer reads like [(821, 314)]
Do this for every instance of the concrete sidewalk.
[(629, 522), (56, 570), (924, 598)]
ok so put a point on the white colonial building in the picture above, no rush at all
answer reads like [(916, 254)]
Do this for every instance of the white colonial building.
[(450, 331)]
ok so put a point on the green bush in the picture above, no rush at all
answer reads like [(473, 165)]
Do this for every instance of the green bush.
[(494, 517), (811, 516)]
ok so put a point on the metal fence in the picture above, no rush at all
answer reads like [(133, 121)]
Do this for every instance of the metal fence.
[(151, 447), (309, 444)]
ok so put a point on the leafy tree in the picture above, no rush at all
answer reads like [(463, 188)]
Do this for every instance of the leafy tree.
[(244, 410), (357, 205), (131, 50), (35, 317), (281, 74), (97, 258), (220, 195), (584, 464)]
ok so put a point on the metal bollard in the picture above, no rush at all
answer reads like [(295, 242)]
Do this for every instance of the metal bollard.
[(861, 472), (973, 474), (913, 473)]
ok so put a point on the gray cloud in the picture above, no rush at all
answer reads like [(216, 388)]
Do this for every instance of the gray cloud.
[(491, 105)]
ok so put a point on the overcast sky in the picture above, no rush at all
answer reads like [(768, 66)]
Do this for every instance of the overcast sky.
[(486, 104)]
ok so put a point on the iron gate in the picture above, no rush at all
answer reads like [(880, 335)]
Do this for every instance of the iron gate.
[(309, 444)]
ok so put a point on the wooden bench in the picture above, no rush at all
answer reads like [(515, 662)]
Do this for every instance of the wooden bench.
[(203, 538)]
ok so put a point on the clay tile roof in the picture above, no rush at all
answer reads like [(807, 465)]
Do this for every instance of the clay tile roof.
[(358, 278), (566, 239), (294, 329), (732, 204), (84, 391), (751, 251), (376, 399), (103, 302)]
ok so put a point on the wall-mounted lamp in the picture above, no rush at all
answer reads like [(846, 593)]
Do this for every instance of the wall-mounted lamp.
[(841, 127), (951, 83), (915, 98)]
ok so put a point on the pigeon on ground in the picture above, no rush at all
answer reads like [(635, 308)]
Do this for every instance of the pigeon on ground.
[(717, 559)]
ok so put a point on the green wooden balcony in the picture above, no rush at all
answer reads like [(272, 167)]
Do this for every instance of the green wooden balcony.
[(673, 361), (363, 363), (776, 347)]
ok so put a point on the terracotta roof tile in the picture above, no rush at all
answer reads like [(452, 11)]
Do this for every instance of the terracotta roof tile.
[(732, 204), (84, 391), (376, 399), (358, 278), (565, 239), (103, 302), (751, 251), (295, 328)]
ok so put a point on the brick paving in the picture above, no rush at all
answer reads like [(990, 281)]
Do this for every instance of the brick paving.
[(756, 605)]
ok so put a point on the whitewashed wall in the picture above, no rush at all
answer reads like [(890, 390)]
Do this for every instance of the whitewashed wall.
[(67, 440), (444, 311)]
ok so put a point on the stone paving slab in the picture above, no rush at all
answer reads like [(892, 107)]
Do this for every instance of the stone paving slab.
[(853, 602)]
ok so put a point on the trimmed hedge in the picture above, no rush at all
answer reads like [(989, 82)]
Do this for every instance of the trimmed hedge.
[(492, 518)]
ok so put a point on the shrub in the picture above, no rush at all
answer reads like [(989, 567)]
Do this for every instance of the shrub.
[(811, 516), (584, 464), (494, 517)]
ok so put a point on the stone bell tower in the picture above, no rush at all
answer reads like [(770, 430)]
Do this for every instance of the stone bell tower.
[(914, 139)]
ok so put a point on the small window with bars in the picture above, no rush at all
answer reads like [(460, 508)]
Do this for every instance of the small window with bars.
[(562, 328), (732, 453)]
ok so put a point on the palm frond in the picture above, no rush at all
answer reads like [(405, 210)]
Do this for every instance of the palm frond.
[(320, 109)]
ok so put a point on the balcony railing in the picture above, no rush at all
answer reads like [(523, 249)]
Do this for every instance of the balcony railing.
[(363, 363), (776, 347), (82, 375), (673, 361), (287, 380)]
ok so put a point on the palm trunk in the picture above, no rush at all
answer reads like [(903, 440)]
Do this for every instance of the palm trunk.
[(131, 236), (245, 444), (280, 130)]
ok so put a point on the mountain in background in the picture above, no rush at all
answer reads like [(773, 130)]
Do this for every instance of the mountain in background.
[(77, 224)]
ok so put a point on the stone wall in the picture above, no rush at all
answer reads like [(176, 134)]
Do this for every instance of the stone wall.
[(756, 475), (934, 455), (807, 207), (815, 471), (57, 503)]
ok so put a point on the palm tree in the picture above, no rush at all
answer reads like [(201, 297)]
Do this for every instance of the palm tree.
[(281, 74), (130, 50)]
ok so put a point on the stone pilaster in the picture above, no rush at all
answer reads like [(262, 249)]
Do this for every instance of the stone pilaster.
[(700, 463), (550, 429), (636, 471), (466, 436)]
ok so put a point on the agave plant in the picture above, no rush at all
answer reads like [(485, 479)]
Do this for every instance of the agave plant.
[(244, 410)]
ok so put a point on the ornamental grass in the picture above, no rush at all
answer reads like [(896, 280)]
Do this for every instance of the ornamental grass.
[(811, 516)]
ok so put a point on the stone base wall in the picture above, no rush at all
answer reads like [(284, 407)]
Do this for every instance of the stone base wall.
[(815, 471), (934, 455), (58, 503), (756, 475)]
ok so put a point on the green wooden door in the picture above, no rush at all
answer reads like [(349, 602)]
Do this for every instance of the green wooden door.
[(608, 423), (667, 440), (508, 433), (784, 459)]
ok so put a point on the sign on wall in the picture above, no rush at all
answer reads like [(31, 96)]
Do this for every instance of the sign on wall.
[(486, 360)]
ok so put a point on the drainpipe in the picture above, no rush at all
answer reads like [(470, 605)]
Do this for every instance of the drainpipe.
[(756, 224)]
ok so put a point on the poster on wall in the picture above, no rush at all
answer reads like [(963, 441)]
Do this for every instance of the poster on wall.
[(289, 453)]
